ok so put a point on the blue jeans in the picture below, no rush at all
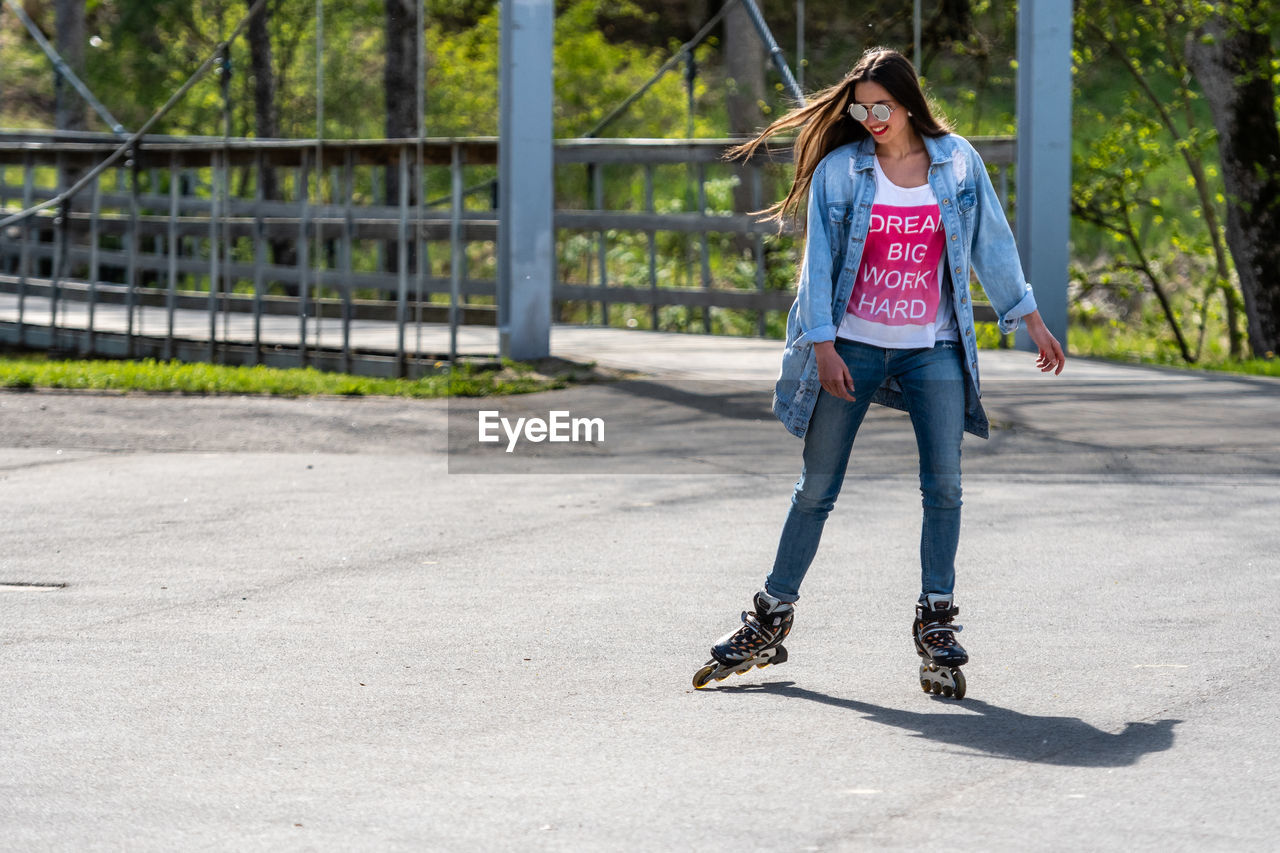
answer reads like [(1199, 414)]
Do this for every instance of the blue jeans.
[(932, 381)]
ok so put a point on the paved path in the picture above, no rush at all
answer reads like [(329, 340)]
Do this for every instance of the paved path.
[(287, 625)]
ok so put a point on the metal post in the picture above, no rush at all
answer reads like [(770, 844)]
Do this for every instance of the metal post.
[(229, 252), (602, 240), (24, 257), (526, 244), (705, 249), (380, 200), (1044, 156), (402, 262), (214, 251), (421, 262), (59, 267), (134, 213), (171, 297), (457, 251), (259, 253), (96, 204), (318, 229), (304, 254), (348, 229), (757, 193), (653, 249), (59, 235)]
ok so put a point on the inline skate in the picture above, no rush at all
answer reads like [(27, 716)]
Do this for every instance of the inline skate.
[(940, 655), (758, 643)]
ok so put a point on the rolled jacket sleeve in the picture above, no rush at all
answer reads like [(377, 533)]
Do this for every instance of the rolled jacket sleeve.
[(994, 253)]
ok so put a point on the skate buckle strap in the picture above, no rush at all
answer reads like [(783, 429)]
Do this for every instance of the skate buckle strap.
[(940, 628), (751, 632)]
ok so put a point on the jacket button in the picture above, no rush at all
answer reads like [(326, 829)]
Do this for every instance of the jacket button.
[(963, 300), (946, 201), (957, 270)]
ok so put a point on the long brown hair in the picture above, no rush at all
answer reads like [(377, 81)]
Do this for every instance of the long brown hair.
[(825, 124)]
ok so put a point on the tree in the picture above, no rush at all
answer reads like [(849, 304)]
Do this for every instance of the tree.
[(1153, 125), (400, 89), (400, 78), (1233, 59), (744, 60), (266, 113), (266, 122), (70, 43)]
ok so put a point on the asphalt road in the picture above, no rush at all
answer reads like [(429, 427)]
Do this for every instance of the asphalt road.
[(314, 625)]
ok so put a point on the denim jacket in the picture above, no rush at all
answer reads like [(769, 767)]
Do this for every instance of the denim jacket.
[(978, 237)]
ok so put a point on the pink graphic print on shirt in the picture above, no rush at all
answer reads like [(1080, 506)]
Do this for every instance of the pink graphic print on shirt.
[(897, 282)]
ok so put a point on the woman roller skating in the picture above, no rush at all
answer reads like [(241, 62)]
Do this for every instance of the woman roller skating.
[(899, 209)]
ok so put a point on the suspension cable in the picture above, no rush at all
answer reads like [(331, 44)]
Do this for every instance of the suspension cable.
[(60, 65), (662, 70), (132, 141), (762, 28)]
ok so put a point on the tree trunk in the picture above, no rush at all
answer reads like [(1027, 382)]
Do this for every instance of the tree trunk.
[(266, 124), (400, 78), (1234, 72), (71, 109), (744, 60), (400, 73), (744, 63), (265, 114)]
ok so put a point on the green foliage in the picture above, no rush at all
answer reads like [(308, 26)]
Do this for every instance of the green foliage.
[(1144, 183), (592, 75)]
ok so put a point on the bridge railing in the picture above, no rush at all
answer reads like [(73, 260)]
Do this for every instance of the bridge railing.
[(201, 248)]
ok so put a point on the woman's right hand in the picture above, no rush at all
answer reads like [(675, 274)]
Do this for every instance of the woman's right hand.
[(833, 373)]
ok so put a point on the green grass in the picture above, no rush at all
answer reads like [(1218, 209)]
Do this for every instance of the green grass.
[(32, 371), (1119, 344)]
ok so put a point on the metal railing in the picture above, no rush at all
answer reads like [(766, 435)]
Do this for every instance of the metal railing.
[(361, 255)]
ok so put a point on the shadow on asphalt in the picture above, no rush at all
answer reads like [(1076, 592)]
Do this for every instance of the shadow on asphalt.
[(996, 731), (741, 400)]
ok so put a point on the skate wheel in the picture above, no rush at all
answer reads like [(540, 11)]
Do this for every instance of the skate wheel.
[(937, 689), (960, 683), (702, 676), (947, 691), (924, 685), (762, 665)]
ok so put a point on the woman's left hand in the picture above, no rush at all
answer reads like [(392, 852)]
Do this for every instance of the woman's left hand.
[(1051, 356)]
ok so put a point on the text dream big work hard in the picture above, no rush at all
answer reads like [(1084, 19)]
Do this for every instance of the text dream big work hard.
[(897, 283)]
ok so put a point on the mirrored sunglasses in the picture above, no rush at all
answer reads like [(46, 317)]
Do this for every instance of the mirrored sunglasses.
[(881, 112)]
